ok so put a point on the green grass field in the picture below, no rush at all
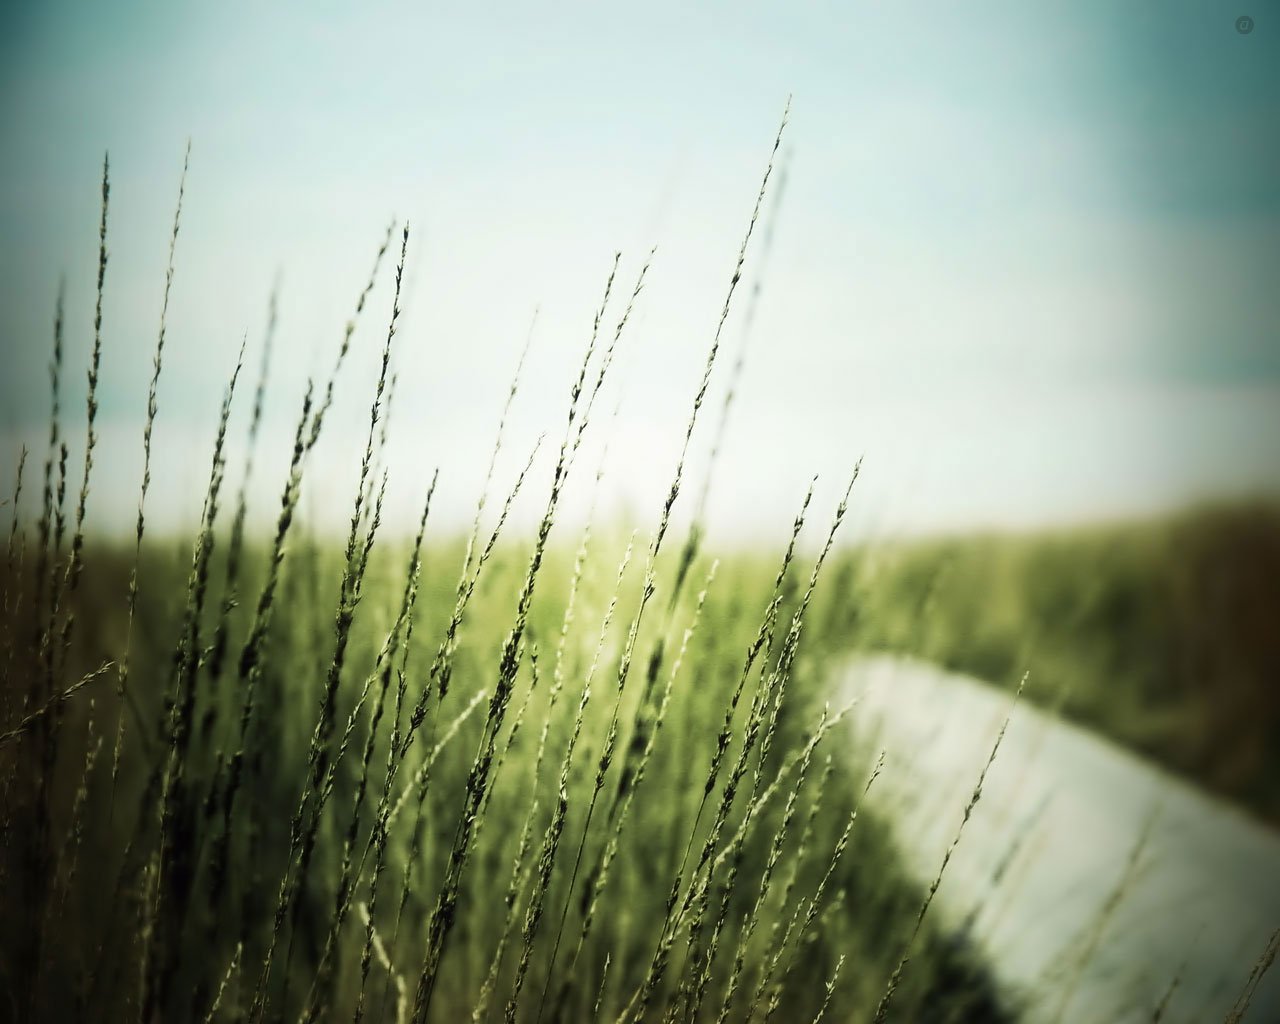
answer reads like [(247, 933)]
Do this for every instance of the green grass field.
[(91, 892), (546, 774), (267, 776)]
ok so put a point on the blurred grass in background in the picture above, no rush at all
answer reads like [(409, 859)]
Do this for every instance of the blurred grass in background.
[(1163, 635)]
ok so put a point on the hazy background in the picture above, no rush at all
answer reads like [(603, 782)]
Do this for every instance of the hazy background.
[(1026, 259)]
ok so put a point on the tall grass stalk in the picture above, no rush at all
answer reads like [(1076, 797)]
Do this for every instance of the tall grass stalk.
[(302, 836), (801, 927), (882, 1010), (252, 662), (383, 669), (637, 1007), (384, 959), (555, 829), (232, 967), (697, 527), (53, 641), (440, 673), (45, 527), (75, 562), (645, 735), (153, 407), (521, 874), (664, 519), (697, 988), (32, 718), (760, 727), (830, 988), (1256, 974), (753, 916), (771, 955), (442, 917), (235, 544), (174, 867)]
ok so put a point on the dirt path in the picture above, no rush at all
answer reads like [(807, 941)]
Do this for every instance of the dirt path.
[(1093, 880)]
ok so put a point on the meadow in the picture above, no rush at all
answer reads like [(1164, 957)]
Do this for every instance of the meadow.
[(1158, 633), (258, 770), (266, 774)]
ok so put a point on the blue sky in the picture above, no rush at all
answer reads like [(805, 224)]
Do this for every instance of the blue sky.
[(1025, 261)]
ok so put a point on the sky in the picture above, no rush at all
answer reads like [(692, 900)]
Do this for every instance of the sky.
[(1022, 259)]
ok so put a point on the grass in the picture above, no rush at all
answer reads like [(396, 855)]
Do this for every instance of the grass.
[(1159, 634), (537, 778)]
